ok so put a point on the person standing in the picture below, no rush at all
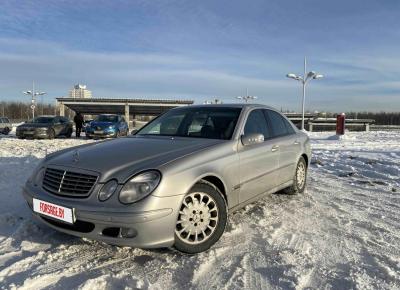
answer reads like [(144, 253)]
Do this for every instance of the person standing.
[(78, 119)]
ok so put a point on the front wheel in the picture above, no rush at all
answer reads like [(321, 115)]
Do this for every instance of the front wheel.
[(6, 131), (202, 219), (299, 179)]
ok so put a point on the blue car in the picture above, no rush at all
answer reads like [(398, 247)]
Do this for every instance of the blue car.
[(106, 126)]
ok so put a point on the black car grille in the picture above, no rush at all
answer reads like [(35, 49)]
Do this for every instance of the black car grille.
[(67, 183)]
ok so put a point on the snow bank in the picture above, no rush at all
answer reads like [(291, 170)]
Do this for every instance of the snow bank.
[(343, 233)]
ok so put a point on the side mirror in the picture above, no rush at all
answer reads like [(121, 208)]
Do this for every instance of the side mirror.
[(134, 131), (250, 139)]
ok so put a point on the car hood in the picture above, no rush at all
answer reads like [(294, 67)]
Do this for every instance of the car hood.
[(102, 124), (121, 158), (34, 125)]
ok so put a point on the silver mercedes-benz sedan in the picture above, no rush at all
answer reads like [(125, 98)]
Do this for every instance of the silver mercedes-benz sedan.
[(174, 182)]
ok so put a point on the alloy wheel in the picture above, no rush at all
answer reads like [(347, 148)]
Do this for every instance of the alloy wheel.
[(198, 218), (300, 175)]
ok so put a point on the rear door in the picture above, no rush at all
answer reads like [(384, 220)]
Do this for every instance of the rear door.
[(258, 162), (57, 126), (66, 125), (284, 136)]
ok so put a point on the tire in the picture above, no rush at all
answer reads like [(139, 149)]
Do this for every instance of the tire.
[(52, 134), (69, 133), (117, 134), (299, 179), (203, 208), (6, 131)]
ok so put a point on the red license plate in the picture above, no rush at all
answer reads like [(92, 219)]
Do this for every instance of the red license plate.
[(53, 210)]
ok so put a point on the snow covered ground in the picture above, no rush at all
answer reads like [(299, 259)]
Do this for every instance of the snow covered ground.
[(343, 233)]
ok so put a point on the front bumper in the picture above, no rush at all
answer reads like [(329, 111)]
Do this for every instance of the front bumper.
[(150, 222), (105, 134), (36, 134)]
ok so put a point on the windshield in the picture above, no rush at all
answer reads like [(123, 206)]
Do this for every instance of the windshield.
[(42, 120), (106, 118), (203, 122)]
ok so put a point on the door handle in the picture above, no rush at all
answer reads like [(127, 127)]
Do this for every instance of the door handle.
[(275, 148), (296, 142)]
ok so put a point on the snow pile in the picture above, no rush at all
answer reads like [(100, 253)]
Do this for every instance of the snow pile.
[(344, 232)]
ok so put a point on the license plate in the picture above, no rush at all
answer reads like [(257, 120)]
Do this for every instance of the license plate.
[(98, 132), (52, 210)]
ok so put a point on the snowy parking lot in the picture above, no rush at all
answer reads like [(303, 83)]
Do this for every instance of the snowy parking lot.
[(342, 233)]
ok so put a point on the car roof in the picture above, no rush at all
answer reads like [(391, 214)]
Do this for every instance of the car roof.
[(231, 105)]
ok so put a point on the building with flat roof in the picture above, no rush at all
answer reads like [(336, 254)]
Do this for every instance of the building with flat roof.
[(80, 91), (128, 107)]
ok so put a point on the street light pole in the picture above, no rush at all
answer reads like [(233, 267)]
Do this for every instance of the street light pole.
[(312, 75), (33, 94), (304, 95), (247, 98)]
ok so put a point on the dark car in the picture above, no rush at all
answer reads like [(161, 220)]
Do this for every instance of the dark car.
[(47, 127), (107, 125)]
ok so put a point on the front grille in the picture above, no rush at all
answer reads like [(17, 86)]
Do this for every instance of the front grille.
[(67, 183)]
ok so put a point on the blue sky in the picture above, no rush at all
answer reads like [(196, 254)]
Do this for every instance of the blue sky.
[(202, 49)]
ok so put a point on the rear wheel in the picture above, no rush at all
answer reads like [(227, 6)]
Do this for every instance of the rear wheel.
[(6, 131), (202, 219), (69, 133), (300, 178), (52, 134)]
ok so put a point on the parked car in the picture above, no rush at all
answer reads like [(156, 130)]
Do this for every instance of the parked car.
[(175, 181), (47, 127), (5, 126), (107, 125)]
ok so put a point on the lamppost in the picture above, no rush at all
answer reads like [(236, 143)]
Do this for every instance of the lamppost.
[(33, 94), (214, 101), (312, 75), (247, 98)]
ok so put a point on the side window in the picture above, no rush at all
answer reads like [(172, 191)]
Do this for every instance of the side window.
[(277, 123), (63, 120), (6, 120), (1, 120), (56, 120), (289, 127), (256, 123)]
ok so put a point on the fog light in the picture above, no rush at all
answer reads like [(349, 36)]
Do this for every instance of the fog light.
[(128, 233)]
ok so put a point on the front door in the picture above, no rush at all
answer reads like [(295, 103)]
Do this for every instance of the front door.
[(289, 147), (258, 162)]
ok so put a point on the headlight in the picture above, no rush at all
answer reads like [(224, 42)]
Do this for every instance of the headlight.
[(139, 186), (111, 127), (108, 189)]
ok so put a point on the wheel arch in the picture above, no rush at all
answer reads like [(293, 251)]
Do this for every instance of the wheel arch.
[(214, 181), (305, 159)]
